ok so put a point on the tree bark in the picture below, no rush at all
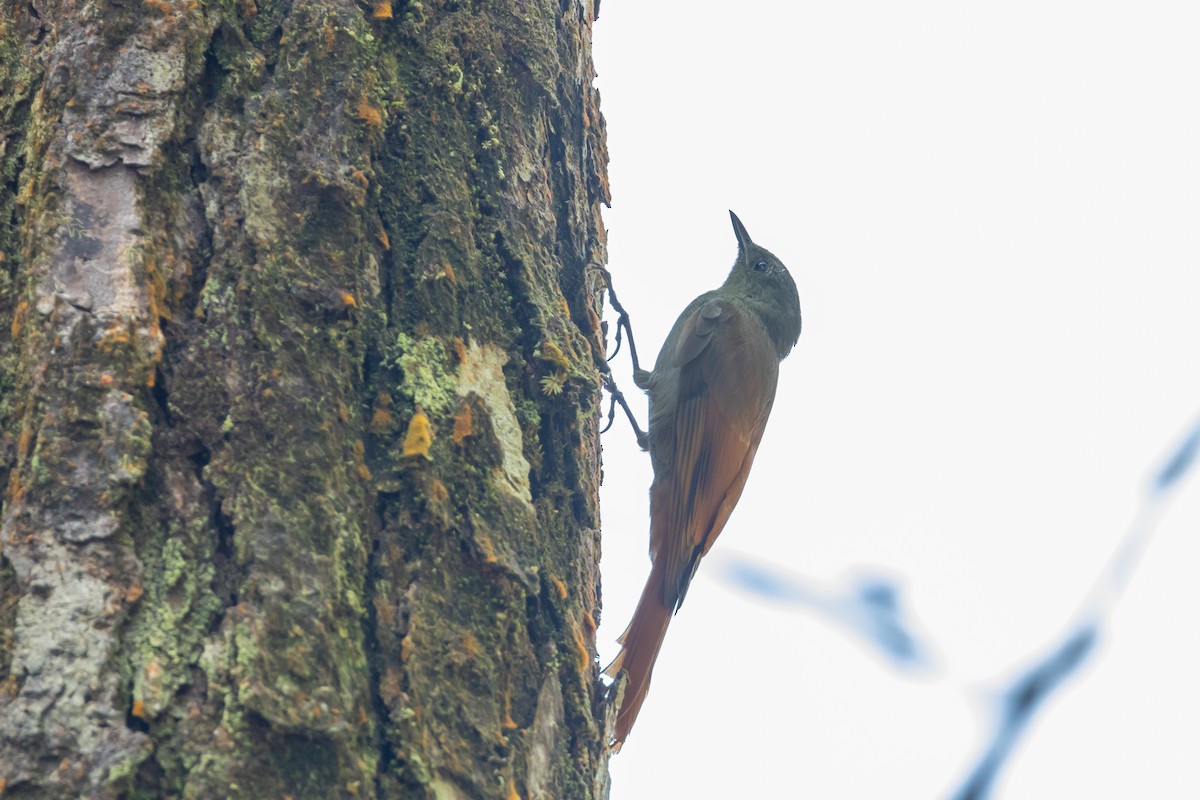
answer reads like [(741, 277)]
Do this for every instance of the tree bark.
[(298, 399)]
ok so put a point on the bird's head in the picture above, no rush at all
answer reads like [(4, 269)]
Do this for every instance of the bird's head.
[(761, 279)]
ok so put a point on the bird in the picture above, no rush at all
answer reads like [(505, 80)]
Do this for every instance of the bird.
[(710, 394)]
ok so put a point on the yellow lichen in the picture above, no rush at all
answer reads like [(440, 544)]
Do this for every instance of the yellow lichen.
[(550, 353), (419, 437), (382, 11)]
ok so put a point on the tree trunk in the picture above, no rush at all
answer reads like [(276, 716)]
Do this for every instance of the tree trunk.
[(299, 399)]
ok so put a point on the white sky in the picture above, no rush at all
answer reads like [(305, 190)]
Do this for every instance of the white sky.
[(991, 211)]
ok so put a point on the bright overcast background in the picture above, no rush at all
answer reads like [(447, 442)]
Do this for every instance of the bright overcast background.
[(991, 211)]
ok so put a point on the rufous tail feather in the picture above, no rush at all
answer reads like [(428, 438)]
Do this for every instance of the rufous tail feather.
[(639, 650)]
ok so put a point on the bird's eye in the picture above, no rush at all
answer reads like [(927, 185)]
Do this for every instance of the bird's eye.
[(760, 266)]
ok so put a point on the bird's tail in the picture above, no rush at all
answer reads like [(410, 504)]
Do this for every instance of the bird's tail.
[(639, 650)]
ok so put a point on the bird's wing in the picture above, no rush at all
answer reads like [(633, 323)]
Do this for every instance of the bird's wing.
[(727, 372)]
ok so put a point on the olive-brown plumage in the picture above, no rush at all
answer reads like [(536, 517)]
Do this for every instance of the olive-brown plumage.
[(710, 393)]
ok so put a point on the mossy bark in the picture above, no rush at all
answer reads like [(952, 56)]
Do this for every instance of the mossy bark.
[(298, 395)]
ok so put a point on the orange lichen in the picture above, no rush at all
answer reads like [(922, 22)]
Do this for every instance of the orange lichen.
[(384, 613), (486, 548), (508, 723), (369, 113), (348, 300), (114, 336), (360, 178), (512, 791), (462, 423), (139, 709), (364, 472), (438, 492), (15, 490), (560, 587), (448, 273), (460, 349), (23, 442), (134, 593), (589, 622), (419, 437), (382, 236), (19, 317), (156, 290), (582, 653), (328, 34), (382, 11), (160, 6), (381, 420), (470, 645), (343, 412)]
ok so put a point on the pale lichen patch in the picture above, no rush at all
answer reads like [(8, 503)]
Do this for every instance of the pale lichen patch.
[(483, 373)]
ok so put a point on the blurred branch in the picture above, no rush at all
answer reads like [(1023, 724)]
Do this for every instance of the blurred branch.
[(1030, 689), (872, 610)]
